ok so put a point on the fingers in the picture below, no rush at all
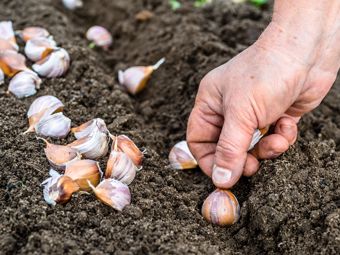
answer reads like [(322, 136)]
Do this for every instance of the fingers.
[(251, 166), (287, 127)]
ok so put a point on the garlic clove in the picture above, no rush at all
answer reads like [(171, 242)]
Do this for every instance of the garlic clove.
[(73, 4), (93, 146), (7, 33), (39, 48), (134, 79), (58, 188), (2, 77), (113, 193), (7, 45), (258, 134), (180, 157), (12, 62), (221, 207), (87, 128), (100, 36), (82, 171), (120, 167), (54, 65), (125, 144), (33, 32), (24, 84), (56, 126), (59, 156)]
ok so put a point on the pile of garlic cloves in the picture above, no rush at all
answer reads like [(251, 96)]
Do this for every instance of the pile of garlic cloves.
[(73, 166), (48, 59)]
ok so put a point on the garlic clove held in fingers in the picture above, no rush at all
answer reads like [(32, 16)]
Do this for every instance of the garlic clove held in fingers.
[(134, 79), (39, 48), (99, 36), (180, 157), (258, 134), (58, 189), (113, 193), (221, 207), (59, 156), (93, 146), (89, 127), (6, 45), (2, 77), (12, 62), (24, 84), (33, 32), (72, 4), (83, 172), (56, 126), (54, 65), (7, 33)]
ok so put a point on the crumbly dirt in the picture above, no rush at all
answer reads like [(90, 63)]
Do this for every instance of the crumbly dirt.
[(292, 206)]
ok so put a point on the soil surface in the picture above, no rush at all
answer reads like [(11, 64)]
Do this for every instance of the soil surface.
[(292, 206)]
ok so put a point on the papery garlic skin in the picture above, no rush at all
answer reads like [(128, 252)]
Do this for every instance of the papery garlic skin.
[(120, 167), (72, 4), (24, 84), (100, 36), (12, 62), (113, 193), (33, 32), (6, 45), (56, 126), (93, 146), (7, 33), (126, 145), (54, 65), (2, 77), (39, 48), (221, 207), (180, 157), (89, 127)]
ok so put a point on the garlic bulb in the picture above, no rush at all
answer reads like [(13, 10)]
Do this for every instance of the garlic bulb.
[(33, 32), (180, 157), (72, 4), (2, 77), (55, 126), (258, 134), (100, 36), (39, 48), (54, 65), (89, 127), (58, 188), (84, 171), (59, 156), (221, 207), (12, 62), (92, 146), (24, 84), (134, 79), (113, 193), (7, 33), (126, 145), (6, 45)]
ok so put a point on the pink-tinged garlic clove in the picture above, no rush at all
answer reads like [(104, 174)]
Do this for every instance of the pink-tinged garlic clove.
[(54, 65), (30, 33), (180, 157), (12, 62), (7, 33), (72, 4), (7, 45), (2, 77), (39, 48), (24, 84), (112, 193), (221, 207), (99, 36), (56, 126), (134, 79), (89, 127), (258, 134)]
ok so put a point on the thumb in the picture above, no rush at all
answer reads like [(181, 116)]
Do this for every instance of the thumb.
[(231, 151)]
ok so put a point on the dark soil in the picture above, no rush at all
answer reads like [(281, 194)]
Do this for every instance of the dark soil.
[(292, 206)]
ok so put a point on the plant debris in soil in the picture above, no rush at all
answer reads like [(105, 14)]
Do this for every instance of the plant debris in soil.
[(292, 206)]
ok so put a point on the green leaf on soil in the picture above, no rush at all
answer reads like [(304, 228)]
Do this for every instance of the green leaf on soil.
[(201, 3), (258, 2), (174, 4)]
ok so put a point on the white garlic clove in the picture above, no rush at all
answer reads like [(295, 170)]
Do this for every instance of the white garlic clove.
[(73, 4), (7, 33), (100, 36), (113, 193), (120, 167), (2, 77), (56, 126), (89, 127), (93, 146), (54, 65), (12, 62), (39, 48), (7, 45), (221, 207), (33, 32), (180, 157), (134, 79), (258, 134), (24, 84)]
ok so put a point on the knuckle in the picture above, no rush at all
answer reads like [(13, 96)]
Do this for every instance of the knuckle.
[(227, 150)]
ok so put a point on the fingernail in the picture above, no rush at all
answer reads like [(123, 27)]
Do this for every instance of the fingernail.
[(221, 176), (286, 128), (274, 154)]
